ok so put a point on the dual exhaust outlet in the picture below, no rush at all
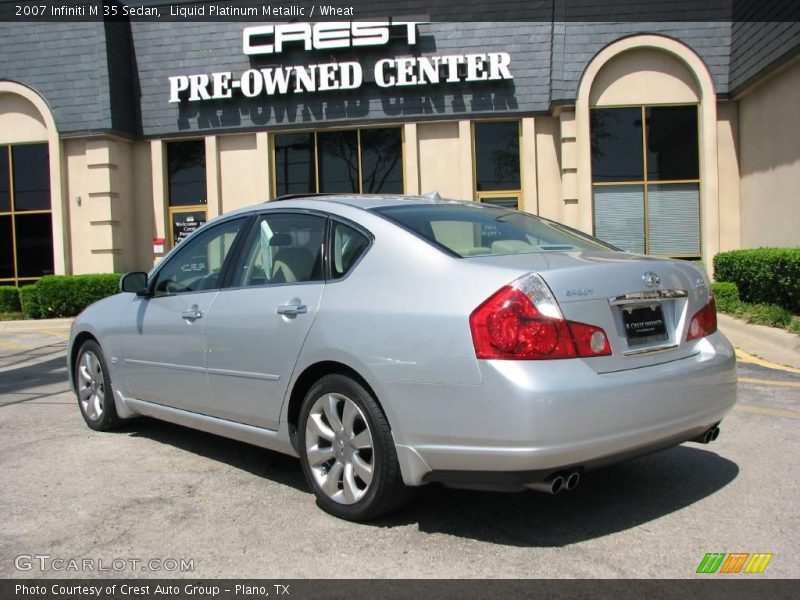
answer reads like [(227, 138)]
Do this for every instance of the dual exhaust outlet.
[(709, 436), (560, 482), (566, 481)]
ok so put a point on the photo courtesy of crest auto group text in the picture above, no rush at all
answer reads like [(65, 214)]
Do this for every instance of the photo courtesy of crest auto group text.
[(389, 299)]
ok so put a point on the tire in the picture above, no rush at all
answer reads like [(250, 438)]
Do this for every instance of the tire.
[(93, 388), (347, 451)]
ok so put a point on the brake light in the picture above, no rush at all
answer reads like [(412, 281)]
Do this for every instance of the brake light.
[(704, 322), (522, 321)]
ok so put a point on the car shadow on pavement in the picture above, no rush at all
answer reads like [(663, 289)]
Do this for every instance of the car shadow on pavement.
[(607, 501), (274, 466), (40, 374)]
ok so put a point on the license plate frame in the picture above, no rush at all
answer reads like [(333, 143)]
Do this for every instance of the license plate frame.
[(644, 324)]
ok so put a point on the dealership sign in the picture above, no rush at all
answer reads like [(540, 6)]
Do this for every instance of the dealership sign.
[(348, 75)]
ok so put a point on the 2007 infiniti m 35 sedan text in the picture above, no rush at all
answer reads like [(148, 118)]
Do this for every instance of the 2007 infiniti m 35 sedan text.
[(394, 341)]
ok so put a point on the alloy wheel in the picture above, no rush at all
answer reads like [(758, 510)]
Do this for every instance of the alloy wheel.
[(339, 448), (91, 385)]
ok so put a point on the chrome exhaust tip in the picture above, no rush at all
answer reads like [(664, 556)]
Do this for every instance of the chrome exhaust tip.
[(711, 434), (551, 485), (572, 480)]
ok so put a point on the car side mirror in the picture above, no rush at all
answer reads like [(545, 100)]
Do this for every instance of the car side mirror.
[(135, 282)]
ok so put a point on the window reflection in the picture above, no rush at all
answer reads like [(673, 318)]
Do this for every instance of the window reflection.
[(31, 177), (186, 163), (294, 164), (497, 156)]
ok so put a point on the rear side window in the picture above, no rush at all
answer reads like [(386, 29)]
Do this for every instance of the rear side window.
[(481, 230), (282, 248), (348, 246)]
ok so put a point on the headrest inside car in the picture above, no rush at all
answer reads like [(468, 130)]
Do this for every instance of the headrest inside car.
[(280, 239)]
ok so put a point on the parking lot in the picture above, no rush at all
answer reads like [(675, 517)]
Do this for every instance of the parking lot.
[(159, 491)]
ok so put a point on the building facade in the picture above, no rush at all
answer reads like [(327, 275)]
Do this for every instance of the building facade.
[(117, 139)]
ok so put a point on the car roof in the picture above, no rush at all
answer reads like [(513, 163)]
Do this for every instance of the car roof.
[(367, 201)]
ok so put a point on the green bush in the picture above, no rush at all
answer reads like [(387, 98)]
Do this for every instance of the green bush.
[(29, 301), (9, 299), (765, 314), (726, 295), (763, 275), (67, 295)]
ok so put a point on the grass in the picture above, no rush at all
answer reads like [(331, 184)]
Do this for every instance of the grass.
[(770, 315), (11, 316)]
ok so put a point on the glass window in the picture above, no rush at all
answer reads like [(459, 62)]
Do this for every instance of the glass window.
[(198, 264), (616, 141), (283, 248), (34, 244), (382, 161), (497, 156), (646, 181), (338, 161), (26, 238), (348, 246), (351, 161), (494, 230), (672, 151), (511, 202), (619, 216), (294, 164), (673, 218), (5, 181), (186, 162), (31, 177), (6, 248)]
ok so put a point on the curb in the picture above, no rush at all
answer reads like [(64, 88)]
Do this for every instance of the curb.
[(769, 343), (34, 325)]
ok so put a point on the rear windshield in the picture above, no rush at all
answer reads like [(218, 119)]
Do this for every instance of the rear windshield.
[(480, 230)]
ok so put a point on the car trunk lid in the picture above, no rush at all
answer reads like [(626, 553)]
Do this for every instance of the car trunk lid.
[(643, 303)]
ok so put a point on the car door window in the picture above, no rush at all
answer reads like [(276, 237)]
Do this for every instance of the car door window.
[(348, 246), (282, 248), (198, 263)]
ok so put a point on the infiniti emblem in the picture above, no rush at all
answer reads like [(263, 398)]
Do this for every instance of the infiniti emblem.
[(651, 279)]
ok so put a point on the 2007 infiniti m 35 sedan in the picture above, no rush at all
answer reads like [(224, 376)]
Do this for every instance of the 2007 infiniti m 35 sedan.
[(393, 341)]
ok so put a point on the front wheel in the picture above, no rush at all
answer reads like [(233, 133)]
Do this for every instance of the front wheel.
[(93, 387), (347, 451)]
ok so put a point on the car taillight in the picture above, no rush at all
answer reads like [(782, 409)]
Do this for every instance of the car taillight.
[(523, 321), (704, 322)]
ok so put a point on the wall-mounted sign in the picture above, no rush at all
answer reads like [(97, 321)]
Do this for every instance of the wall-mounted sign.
[(185, 222), (347, 75)]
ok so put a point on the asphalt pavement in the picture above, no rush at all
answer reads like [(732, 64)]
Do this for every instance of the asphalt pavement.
[(219, 508)]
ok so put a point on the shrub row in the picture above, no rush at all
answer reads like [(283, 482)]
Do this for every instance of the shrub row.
[(726, 295), (9, 299), (763, 275), (65, 295)]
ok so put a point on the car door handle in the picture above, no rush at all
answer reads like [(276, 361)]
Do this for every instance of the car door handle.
[(292, 309), (192, 313)]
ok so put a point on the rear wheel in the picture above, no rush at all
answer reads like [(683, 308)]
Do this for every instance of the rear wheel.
[(93, 387), (347, 451)]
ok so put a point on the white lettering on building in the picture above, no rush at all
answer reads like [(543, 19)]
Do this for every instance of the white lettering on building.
[(323, 77)]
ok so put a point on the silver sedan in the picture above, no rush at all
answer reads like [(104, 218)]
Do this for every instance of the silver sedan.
[(392, 341)]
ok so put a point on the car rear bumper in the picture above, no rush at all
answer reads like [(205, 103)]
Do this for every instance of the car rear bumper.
[(531, 418)]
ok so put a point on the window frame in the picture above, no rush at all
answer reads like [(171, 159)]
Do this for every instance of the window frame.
[(330, 241), (645, 182), (12, 214), (173, 209), (177, 250), (228, 276), (482, 195), (275, 192)]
